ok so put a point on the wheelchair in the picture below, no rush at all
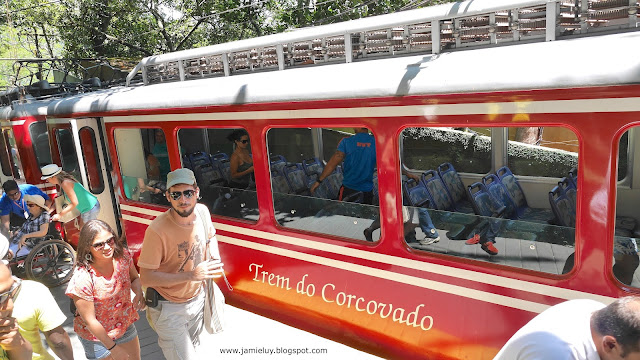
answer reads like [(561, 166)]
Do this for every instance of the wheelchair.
[(50, 261)]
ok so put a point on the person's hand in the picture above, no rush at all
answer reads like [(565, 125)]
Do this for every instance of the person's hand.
[(207, 270), (156, 191), (56, 217), (138, 299), (10, 337), (118, 353), (23, 241), (314, 187)]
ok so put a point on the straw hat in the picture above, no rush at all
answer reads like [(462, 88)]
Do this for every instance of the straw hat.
[(49, 171), (36, 199)]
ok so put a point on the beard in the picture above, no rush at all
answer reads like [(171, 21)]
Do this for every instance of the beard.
[(184, 213)]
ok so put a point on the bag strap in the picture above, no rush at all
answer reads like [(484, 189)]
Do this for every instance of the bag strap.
[(208, 241)]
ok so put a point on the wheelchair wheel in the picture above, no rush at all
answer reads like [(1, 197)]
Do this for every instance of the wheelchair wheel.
[(50, 262)]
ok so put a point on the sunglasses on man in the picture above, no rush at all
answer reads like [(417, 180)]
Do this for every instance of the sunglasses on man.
[(176, 195), (11, 293)]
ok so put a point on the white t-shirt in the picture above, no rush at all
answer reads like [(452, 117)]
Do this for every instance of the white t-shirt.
[(561, 332)]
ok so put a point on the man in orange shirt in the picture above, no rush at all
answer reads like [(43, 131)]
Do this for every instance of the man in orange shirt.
[(172, 267)]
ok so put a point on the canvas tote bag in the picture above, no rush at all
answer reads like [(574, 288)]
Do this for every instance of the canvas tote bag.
[(61, 203), (214, 298)]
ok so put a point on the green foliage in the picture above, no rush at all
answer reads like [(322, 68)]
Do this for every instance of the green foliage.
[(137, 28)]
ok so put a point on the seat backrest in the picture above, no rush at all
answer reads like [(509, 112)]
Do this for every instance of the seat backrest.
[(513, 187), (312, 166), (278, 164), (482, 201), (219, 156), (278, 183), (499, 193), (186, 162), (452, 182), (225, 168), (437, 191), (296, 178), (416, 193), (568, 188), (573, 177), (376, 197), (561, 206), (207, 175), (333, 183), (198, 158)]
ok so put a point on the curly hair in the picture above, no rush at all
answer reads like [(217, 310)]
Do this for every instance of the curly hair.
[(237, 134)]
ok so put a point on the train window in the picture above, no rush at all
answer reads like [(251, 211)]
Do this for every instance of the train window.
[(215, 155), (468, 148), (139, 154), (68, 154), (542, 151), (488, 216), (297, 160), (40, 141), (91, 160), (9, 159), (625, 243)]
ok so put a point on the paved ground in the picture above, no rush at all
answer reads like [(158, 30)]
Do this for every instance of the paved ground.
[(246, 332)]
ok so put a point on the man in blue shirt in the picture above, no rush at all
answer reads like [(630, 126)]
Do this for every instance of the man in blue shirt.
[(359, 155), (13, 208)]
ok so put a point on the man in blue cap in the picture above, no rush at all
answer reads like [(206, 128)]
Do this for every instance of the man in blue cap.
[(13, 208)]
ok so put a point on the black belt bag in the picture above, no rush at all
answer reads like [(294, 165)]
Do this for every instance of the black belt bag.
[(151, 297)]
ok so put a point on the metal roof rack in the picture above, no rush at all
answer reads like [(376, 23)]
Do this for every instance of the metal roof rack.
[(429, 30)]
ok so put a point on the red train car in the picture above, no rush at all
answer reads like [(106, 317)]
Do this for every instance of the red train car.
[(448, 93)]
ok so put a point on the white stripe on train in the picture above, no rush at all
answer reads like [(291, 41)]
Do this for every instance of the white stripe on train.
[(515, 284), (497, 108)]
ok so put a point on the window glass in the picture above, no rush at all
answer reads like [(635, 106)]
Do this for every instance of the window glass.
[(40, 140), (542, 151), (295, 169), (222, 163), (140, 168), (91, 160), (623, 156), (16, 164), (482, 215), (5, 156), (68, 154), (625, 243), (469, 148)]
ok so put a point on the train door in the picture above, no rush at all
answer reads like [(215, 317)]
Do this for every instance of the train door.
[(79, 146)]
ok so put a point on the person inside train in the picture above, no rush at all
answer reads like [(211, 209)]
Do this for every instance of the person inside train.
[(78, 197), (580, 329), (161, 153), (13, 208), (358, 152), (241, 163), (33, 229), (150, 188)]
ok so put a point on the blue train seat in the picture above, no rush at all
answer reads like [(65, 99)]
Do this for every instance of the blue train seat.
[(324, 190), (485, 204), (279, 182), (376, 197), (333, 183), (296, 178), (207, 175), (455, 188), (198, 158), (416, 193), (219, 156), (186, 162), (278, 162), (312, 166), (437, 191), (573, 177), (523, 210), (562, 208), (225, 168), (499, 192)]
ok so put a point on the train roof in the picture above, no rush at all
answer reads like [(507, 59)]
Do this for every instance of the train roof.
[(593, 61)]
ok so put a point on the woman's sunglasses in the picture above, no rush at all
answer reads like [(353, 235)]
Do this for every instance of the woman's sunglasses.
[(100, 245), (244, 141), (11, 293), (188, 194)]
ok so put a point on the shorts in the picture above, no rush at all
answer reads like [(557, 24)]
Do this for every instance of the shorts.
[(91, 214), (624, 246), (96, 350)]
